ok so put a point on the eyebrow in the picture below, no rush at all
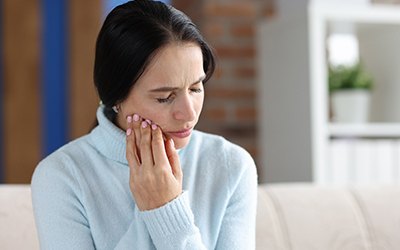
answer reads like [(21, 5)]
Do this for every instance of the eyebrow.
[(169, 89)]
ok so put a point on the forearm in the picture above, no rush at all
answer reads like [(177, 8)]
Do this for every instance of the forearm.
[(172, 226)]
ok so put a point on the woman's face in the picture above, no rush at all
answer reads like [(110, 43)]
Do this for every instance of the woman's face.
[(170, 92)]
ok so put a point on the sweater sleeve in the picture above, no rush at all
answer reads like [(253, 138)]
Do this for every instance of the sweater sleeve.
[(60, 217), (239, 222), (172, 225)]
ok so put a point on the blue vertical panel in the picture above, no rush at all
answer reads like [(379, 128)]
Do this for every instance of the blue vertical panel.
[(108, 5), (1, 96), (54, 56)]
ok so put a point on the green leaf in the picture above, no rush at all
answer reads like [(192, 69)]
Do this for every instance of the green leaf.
[(349, 77)]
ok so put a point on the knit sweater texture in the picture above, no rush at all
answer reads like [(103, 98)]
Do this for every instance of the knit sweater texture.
[(81, 197)]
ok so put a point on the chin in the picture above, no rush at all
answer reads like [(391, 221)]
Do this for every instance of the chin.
[(181, 142)]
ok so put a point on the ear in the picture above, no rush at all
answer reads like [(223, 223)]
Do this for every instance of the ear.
[(116, 108)]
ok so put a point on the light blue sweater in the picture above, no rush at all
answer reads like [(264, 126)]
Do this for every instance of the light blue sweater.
[(82, 200)]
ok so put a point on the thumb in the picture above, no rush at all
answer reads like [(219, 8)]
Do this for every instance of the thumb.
[(173, 158)]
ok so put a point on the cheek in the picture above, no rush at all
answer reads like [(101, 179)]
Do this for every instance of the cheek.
[(198, 103), (132, 106), (156, 114)]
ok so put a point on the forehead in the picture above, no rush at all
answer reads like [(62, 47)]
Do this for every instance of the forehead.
[(173, 65)]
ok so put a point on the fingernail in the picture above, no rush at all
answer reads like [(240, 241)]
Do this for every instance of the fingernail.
[(148, 121), (172, 143), (129, 119), (144, 124), (153, 126), (135, 117), (128, 131)]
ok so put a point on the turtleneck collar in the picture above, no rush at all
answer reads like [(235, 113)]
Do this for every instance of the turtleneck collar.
[(108, 138)]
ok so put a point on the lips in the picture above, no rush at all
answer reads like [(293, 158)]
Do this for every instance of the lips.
[(181, 134)]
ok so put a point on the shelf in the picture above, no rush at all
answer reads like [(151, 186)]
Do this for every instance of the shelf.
[(369, 13), (292, 80), (364, 130)]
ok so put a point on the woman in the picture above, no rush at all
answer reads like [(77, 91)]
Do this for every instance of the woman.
[(143, 178)]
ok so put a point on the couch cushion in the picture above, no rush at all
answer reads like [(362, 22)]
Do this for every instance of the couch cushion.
[(17, 227), (381, 208), (306, 216)]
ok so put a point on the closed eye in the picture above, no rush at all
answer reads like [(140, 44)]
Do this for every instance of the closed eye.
[(169, 99), (196, 90)]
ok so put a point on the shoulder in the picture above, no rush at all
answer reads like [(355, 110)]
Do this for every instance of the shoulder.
[(60, 164), (218, 145), (223, 162), (56, 184), (231, 156)]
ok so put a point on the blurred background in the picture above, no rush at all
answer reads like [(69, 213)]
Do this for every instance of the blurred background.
[(279, 62)]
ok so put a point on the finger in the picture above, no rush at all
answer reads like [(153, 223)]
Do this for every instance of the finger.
[(157, 144), (136, 129), (132, 123), (173, 158), (131, 150), (145, 145)]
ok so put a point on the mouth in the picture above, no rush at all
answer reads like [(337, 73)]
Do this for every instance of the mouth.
[(181, 133)]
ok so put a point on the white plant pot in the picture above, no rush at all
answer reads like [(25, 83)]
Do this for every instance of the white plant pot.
[(351, 106)]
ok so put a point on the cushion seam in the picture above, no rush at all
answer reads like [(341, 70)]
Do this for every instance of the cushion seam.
[(364, 223), (283, 226)]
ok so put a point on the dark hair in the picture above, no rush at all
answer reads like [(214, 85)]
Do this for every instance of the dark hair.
[(131, 35)]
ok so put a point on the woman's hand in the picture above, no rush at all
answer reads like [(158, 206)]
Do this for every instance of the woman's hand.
[(155, 171)]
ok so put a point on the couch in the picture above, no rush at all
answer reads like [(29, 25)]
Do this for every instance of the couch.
[(290, 217), (307, 217)]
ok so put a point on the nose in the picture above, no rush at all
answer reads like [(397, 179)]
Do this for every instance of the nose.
[(184, 109)]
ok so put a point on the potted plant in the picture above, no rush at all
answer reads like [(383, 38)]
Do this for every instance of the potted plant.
[(349, 88)]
